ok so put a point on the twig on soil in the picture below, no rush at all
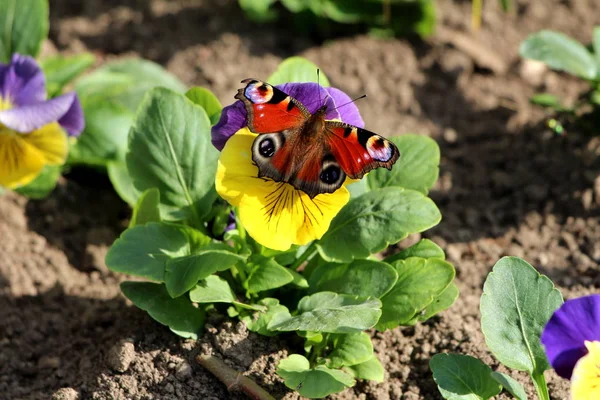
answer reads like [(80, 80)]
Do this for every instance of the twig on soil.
[(232, 379)]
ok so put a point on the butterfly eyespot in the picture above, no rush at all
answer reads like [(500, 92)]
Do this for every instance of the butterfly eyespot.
[(331, 174), (266, 147)]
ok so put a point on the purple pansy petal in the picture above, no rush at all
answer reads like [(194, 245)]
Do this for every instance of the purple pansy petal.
[(233, 118), (349, 112), (73, 121), (311, 95), (22, 81), (33, 116), (569, 327)]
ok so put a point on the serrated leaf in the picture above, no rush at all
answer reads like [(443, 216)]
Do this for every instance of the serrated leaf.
[(424, 248), (207, 100), (331, 312), (371, 370), (144, 250), (183, 273), (559, 52), (419, 282), (417, 168), (170, 149), (510, 385), (178, 314), (258, 321), (443, 301), (23, 27), (462, 377), (350, 349), (43, 185), (212, 289), (146, 209), (360, 278), (266, 274), (297, 69), (371, 222), (313, 383), (60, 70), (516, 303)]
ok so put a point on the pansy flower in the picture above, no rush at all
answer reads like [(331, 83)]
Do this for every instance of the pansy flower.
[(33, 130), (572, 342), (276, 214)]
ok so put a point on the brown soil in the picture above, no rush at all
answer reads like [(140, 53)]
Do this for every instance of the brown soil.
[(508, 186)]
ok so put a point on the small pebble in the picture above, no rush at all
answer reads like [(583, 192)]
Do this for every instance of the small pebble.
[(184, 370), (120, 356), (66, 394)]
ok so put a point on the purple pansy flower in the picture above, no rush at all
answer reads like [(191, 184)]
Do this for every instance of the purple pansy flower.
[(564, 336), (312, 95), (24, 107)]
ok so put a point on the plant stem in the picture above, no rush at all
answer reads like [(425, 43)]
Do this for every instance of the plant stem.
[(308, 253), (232, 379), (540, 386), (476, 15)]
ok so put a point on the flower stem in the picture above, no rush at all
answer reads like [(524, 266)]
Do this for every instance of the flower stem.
[(476, 15), (232, 379), (308, 253), (540, 386)]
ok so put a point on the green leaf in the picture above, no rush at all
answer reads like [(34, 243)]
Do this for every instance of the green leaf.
[(299, 280), (510, 385), (350, 349), (596, 45), (183, 273), (178, 314), (212, 289), (443, 301), (417, 168), (121, 180), (258, 321), (43, 185), (104, 138), (420, 281), (358, 188), (559, 52), (258, 10), (314, 383), (207, 100), (424, 248), (333, 313), (370, 369), (506, 5), (360, 278), (371, 222), (110, 97), (297, 69), (266, 274), (146, 210), (295, 6), (516, 303), (170, 149), (23, 27), (60, 70), (461, 377), (144, 250)]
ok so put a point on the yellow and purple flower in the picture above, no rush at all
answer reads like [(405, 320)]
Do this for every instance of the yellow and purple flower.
[(572, 342), (33, 130), (276, 214)]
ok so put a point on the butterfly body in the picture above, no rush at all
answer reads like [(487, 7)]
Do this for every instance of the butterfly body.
[(306, 150)]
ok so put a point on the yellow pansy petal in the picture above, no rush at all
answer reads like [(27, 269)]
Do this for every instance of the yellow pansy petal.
[(585, 382), (22, 157), (275, 214)]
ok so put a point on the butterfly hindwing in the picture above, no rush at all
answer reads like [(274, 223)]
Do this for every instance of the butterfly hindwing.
[(358, 150), (270, 109)]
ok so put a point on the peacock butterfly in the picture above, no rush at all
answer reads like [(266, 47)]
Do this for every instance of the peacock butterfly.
[(305, 150)]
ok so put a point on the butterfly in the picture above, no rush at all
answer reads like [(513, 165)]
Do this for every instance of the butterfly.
[(307, 151)]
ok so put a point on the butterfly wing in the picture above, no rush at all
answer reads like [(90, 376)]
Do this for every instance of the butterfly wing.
[(357, 150), (270, 109)]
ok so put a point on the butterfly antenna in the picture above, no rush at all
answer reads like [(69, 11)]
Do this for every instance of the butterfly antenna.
[(351, 101), (319, 85)]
